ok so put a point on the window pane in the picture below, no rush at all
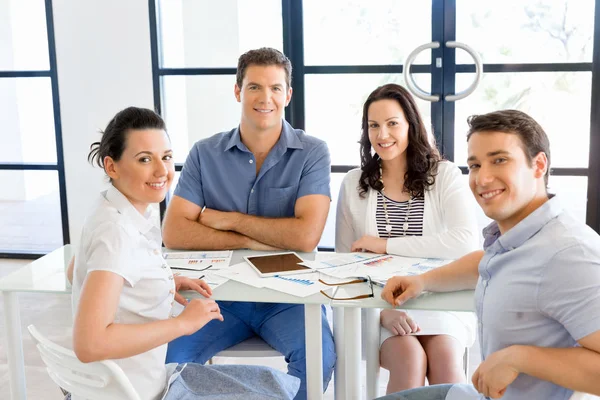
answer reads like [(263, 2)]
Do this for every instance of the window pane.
[(23, 36), (353, 32), (339, 122), (573, 193), (526, 31), (27, 121), (208, 33), (328, 237), (559, 102), (197, 107), (30, 212)]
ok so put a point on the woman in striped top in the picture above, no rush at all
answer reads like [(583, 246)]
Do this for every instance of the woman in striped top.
[(406, 200)]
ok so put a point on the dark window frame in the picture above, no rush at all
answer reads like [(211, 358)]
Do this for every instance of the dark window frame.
[(442, 113), (59, 166)]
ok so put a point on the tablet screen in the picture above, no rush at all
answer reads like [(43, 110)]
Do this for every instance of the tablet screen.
[(277, 263)]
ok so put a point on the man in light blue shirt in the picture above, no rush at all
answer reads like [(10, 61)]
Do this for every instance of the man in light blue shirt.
[(265, 186), (537, 283)]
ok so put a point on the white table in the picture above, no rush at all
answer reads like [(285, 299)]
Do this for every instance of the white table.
[(47, 275)]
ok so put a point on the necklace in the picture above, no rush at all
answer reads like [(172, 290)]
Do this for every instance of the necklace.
[(388, 225)]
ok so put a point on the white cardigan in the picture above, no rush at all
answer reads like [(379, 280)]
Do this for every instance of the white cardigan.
[(449, 231), (449, 222)]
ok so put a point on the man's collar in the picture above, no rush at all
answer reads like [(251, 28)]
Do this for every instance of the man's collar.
[(124, 207), (525, 229), (288, 139)]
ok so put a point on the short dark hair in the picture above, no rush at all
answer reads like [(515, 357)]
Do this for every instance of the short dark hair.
[(114, 137), (264, 56), (533, 137), (422, 157)]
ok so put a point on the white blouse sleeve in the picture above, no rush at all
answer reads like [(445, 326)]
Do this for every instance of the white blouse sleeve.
[(344, 232), (457, 208), (111, 249)]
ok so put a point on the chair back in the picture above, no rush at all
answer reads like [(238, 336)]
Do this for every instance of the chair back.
[(583, 396), (100, 380)]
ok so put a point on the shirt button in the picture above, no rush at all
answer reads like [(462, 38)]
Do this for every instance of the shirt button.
[(164, 266), (251, 161), (156, 251), (171, 277), (251, 190)]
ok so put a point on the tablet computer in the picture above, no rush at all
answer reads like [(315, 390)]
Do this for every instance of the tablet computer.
[(277, 264)]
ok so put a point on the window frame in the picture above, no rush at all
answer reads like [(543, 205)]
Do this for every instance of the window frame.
[(442, 112), (59, 166)]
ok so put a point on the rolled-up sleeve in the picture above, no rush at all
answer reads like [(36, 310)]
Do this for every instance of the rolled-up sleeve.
[(189, 186), (569, 290), (316, 175)]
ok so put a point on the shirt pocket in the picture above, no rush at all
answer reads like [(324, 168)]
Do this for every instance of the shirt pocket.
[(280, 202)]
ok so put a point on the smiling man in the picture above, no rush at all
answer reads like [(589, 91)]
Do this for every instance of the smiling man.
[(263, 185), (537, 283)]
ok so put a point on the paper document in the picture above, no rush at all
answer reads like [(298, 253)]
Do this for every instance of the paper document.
[(213, 280), (198, 260)]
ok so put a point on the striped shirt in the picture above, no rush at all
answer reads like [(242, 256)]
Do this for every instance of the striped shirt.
[(397, 214)]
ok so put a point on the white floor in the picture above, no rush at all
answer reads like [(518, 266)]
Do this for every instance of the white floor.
[(52, 315)]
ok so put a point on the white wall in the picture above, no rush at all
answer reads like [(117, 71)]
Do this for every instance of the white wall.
[(104, 65)]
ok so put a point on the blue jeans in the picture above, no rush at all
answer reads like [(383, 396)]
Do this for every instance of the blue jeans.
[(437, 392), (280, 325), (231, 382)]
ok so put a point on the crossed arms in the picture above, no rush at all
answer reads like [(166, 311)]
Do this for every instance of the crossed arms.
[(186, 227)]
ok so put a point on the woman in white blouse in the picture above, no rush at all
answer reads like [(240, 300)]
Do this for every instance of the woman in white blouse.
[(123, 290), (405, 200)]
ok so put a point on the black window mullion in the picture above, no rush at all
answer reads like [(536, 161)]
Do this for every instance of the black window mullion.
[(449, 69), (293, 48), (437, 76), (60, 160), (593, 203)]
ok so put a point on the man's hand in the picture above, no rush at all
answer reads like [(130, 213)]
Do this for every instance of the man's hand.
[(495, 373), (398, 322), (185, 283), (371, 244), (399, 289), (219, 220)]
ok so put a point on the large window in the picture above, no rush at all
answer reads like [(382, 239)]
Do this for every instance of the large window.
[(33, 210), (537, 57)]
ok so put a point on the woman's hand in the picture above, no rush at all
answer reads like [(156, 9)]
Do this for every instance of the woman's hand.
[(185, 283), (371, 244), (398, 322), (197, 313)]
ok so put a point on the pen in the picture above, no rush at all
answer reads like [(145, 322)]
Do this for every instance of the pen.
[(194, 269), (377, 283), (201, 276)]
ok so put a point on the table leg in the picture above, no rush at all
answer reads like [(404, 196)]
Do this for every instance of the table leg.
[(340, 364), (314, 351), (372, 334), (352, 344), (14, 346)]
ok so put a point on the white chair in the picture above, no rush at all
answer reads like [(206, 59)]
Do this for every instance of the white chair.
[(583, 396), (252, 347), (101, 380)]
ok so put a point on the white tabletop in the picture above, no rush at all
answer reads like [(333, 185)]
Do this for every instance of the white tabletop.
[(47, 275)]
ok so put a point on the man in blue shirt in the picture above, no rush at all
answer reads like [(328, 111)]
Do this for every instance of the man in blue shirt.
[(264, 186), (537, 283)]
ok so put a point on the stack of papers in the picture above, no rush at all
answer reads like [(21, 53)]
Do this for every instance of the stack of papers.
[(200, 265), (300, 285), (379, 267)]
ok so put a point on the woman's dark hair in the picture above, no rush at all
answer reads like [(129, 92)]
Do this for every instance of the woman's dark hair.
[(422, 157), (114, 137)]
